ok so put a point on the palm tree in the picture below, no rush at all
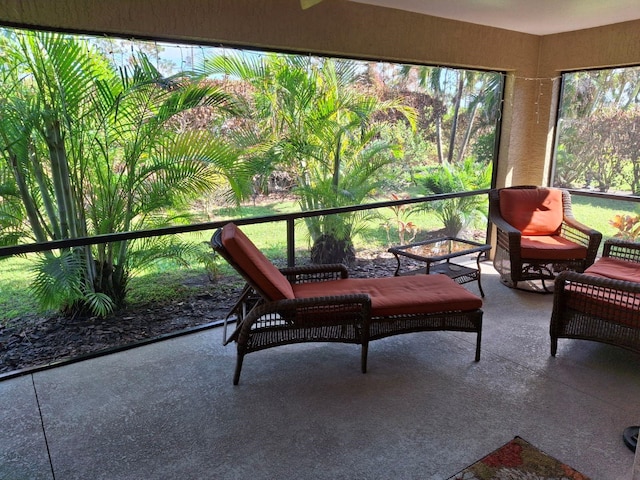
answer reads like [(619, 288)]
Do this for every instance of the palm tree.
[(315, 120), (456, 213), (89, 151), (450, 90), (435, 80), (485, 100)]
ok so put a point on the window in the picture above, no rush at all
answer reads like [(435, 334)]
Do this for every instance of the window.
[(106, 136), (598, 134)]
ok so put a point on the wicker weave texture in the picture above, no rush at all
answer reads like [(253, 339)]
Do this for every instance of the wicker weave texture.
[(599, 309)]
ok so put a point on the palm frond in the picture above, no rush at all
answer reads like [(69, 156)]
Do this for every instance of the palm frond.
[(58, 280), (145, 252), (63, 68), (99, 303), (236, 66)]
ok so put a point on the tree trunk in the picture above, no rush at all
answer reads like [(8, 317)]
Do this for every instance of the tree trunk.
[(454, 124), (467, 135), (328, 249), (27, 200), (60, 174)]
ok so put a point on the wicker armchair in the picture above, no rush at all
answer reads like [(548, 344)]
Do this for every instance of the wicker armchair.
[(537, 235), (321, 304), (603, 303)]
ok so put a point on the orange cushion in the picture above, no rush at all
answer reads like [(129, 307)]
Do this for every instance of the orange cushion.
[(550, 247), (252, 261), (535, 211), (399, 295), (612, 305), (615, 268)]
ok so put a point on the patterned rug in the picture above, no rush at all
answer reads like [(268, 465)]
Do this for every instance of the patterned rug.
[(518, 460)]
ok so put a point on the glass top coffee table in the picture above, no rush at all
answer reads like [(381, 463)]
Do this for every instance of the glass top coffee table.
[(437, 255)]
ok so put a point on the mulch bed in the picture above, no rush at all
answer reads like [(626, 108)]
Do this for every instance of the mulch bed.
[(38, 341)]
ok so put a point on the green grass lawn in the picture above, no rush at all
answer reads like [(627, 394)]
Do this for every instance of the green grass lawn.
[(598, 212), (164, 281), (15, 299)]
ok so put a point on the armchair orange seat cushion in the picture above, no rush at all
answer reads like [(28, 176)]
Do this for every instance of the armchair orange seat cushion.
[(607, 303), (615, 268), (550, 247)]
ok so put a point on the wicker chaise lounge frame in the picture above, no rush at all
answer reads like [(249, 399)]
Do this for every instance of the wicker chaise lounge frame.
[(599, 309), (514, 268), (262, 323)]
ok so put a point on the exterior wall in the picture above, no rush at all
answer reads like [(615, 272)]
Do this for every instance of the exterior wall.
[(339, 27)]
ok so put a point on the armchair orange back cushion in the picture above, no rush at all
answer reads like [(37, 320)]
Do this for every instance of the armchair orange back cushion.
[(535, 211)]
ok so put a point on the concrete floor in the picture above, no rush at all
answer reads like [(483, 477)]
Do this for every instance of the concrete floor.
[(424, 410)]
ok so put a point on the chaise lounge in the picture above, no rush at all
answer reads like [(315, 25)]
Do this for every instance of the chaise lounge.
[(320, 303), (603, 303)]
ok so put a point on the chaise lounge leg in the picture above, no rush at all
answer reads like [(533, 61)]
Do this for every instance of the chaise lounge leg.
[(236, 376), (478, 343), (554, 346)]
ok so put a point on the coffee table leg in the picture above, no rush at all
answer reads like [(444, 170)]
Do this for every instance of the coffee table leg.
[(397, 272)]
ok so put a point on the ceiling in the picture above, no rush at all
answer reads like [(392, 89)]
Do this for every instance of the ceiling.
[(538, 17)]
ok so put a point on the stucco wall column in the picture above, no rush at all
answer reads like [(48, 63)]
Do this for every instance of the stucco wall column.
[(528, 123)]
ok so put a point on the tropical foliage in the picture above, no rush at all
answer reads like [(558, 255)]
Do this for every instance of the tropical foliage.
[(463, 105), (627, 226), (457, 213), (318, 121), (88, 150), (340, 128)]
